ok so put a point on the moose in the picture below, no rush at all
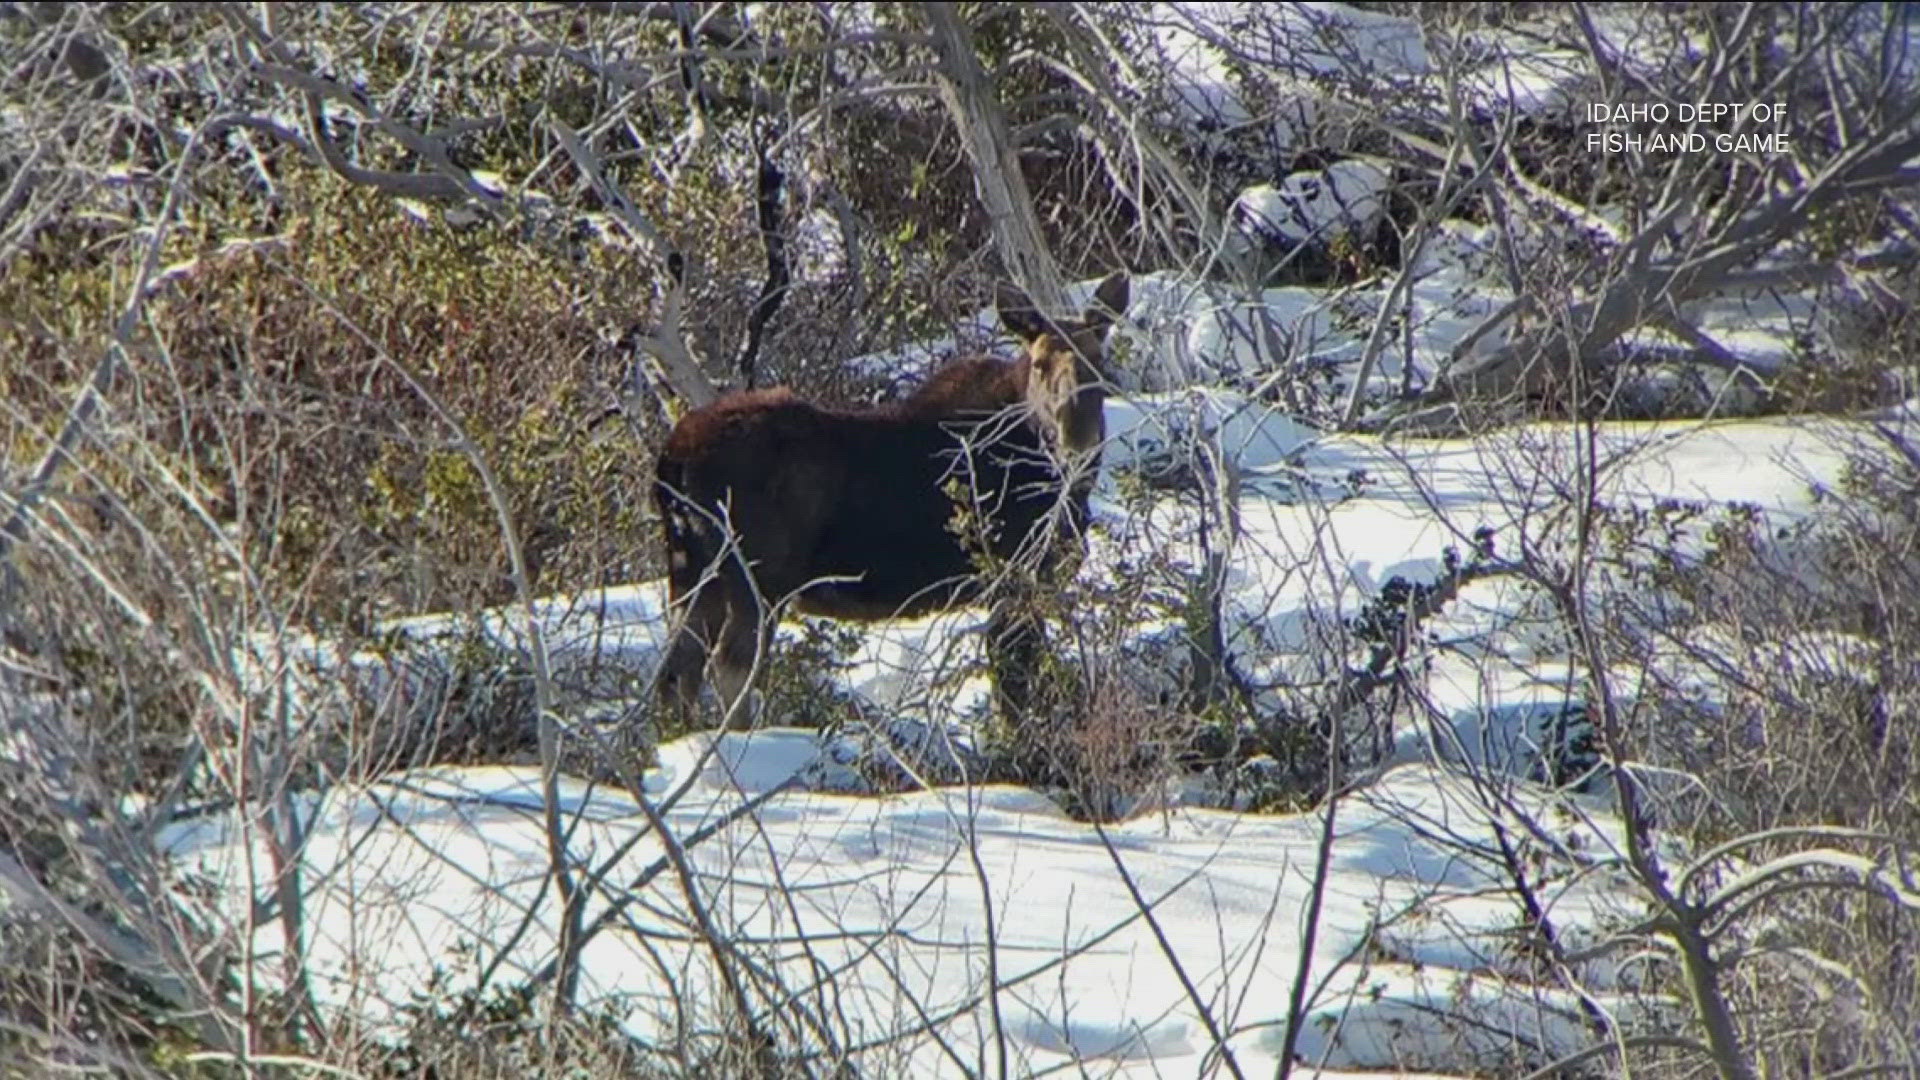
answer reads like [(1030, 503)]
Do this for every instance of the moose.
[(852, 513)]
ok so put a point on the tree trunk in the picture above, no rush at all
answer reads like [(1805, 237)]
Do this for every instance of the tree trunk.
[(968, 93)]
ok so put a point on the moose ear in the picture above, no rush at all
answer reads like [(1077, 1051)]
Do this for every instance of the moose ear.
[(1109, 303), (1018, 314)]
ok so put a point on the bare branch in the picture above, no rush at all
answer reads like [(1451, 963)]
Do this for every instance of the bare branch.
[(1630, 299), (668, 346), (967, 91), (448, 182)]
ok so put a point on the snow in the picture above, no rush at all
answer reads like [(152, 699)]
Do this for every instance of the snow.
[(1528, 80), (1247, 432), (1182, 334), (915, 900), (1319, 62), (1317, 205), (1309, 38), (883, 891), (1291, 45)]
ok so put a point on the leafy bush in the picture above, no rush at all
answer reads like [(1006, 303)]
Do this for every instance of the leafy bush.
[(275, 384)]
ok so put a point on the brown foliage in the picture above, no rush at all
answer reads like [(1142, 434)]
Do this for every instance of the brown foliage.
[(275, 381)]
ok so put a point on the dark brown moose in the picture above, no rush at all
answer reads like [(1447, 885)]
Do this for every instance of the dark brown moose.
[(852, 514)]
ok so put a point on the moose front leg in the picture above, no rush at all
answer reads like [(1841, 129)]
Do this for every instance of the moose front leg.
[(684, 670), (744, 642), (1015, 647)]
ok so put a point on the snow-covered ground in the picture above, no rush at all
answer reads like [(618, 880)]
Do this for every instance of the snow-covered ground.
[(937, 930), (890, 917)]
